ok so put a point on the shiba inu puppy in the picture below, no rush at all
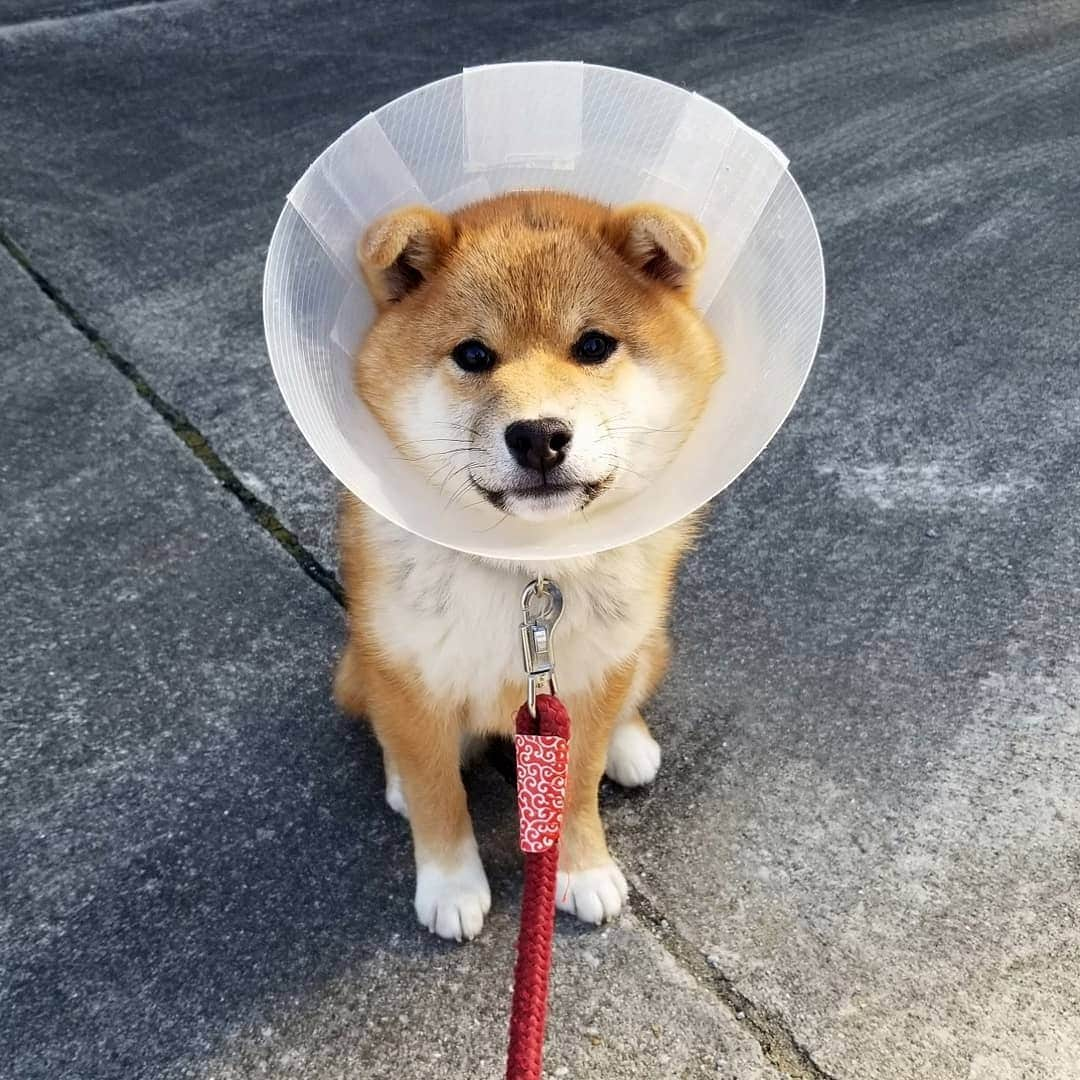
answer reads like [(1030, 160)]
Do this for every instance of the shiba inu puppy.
[(543, 352)]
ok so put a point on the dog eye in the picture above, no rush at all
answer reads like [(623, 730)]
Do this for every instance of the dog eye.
[(473, 356), (593, 347)]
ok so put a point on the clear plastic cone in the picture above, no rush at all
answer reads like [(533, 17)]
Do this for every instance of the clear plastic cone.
[(599, 132)]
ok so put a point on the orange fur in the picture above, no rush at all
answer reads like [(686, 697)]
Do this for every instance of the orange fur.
[(525, 273)]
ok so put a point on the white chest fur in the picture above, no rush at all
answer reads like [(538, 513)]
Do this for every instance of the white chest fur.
[(454, 618)]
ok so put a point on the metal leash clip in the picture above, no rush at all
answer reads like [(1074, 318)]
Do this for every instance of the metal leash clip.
[(541, 609)]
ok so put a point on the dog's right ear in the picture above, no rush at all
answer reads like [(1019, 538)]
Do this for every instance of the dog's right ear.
[(663, 244), (400, 251)]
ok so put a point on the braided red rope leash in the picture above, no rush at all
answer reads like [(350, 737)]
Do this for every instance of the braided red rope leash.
[(541, 767)]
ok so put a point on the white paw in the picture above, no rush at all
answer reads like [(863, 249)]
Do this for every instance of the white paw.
[(395, 797), (594, 896), (453, 902), (633, 756)]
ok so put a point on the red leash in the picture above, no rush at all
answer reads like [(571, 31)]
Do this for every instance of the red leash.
[(541, 744), (541, 755)]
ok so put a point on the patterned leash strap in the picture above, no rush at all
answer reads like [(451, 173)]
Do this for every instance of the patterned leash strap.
[(541, 748), (541, 768)]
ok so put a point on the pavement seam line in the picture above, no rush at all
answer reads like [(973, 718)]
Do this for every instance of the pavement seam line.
[(260, 511), (780, 1048), (778, 1045)]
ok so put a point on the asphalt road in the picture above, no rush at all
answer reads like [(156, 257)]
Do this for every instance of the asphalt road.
[(861, 858)]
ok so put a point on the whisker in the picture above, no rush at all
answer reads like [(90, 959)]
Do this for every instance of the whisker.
[(639, 440), (632, 439), (456, 472), (495, 524), (458, 426), (482, 501), (619, 463), (681, 430), (447, 467), (445, 453), (417, 442), (465, 485)]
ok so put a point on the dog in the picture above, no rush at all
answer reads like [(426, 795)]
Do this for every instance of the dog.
[(544, 349)]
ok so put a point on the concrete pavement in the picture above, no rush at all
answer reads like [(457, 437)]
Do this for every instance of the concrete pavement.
[(860, 859)]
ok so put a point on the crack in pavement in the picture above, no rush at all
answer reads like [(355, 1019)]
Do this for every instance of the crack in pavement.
[(778, 1045), (261, 512)]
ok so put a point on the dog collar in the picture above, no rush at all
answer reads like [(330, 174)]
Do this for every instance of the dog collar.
[(610, 135)]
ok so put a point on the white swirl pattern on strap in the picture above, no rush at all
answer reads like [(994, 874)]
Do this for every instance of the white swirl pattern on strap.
[(541, 789)]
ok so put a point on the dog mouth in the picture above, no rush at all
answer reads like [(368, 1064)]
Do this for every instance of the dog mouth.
[(545, 495)]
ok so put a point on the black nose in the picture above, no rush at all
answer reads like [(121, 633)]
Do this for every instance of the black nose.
[(538, 444)]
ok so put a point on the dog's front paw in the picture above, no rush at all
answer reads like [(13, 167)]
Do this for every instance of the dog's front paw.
[(594, 896), (452, 902), (633, 756)]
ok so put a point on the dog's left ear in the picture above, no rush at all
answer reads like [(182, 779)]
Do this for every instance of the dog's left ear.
[(401, 250), (661, 243)]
